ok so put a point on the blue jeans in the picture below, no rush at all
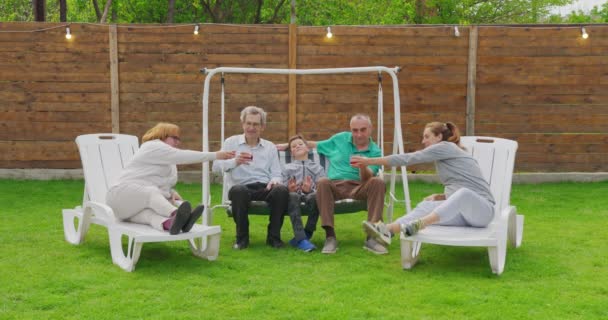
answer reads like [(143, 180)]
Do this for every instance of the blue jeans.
[(295, 214)]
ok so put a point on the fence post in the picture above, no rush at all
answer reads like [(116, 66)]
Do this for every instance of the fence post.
[(293, 48), (471, 81), (114, 80)]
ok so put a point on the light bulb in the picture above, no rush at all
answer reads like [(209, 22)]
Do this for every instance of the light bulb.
[(584, 33), (329, 34), (456, 31), (196, 29), (68, 35)]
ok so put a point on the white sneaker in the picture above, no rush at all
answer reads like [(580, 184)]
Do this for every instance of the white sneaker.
[(378, 231)]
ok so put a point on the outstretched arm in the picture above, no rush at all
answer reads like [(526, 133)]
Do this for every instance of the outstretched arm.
[(358, 161)]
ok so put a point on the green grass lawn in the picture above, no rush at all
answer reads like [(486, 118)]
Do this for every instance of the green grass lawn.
[(560, 272)]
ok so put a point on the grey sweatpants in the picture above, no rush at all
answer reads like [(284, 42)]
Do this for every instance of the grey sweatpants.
[(139, 204), (463, 208)]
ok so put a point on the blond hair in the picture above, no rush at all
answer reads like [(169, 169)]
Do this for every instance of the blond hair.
[(161, 131)]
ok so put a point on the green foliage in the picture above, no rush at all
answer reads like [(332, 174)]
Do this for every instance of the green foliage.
[(309, 12), (15, 10), (596, 15), (560, 272), (489, 11), (355, 12)]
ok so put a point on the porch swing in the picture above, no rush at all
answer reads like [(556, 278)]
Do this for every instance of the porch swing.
[(342, 206)]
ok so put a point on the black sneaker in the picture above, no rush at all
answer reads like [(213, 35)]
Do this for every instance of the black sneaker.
[(196, 213), (181, 217), (275, 243), (240, 245)]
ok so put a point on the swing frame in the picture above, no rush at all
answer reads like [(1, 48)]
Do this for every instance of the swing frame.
[(397, 138)]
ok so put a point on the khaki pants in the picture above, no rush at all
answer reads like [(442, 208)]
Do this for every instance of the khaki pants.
[(329, 191)]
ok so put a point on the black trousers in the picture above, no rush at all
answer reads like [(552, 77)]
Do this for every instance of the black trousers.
[(242, 195)]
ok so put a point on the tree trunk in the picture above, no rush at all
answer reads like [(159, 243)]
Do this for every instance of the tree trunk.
[(39, 8), (420, 10), (105, 11), (171, 11), (97, 11), (293, 19), (63, 10)]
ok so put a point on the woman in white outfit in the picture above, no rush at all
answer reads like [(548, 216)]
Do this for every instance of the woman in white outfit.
[(467, 199), (144, 192)]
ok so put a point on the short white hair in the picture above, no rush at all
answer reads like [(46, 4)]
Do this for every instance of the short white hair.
[(362, 116), (253, 110)]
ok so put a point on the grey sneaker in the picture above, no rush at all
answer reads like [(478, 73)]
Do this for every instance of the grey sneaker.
[(374, 246), (378, 231), (410, 229), (331, 245)]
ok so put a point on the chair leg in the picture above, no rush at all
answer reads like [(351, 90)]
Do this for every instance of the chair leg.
[(207, 247), (410, 251), (126, 261), (498, 255), (516, 229), (75, 235)]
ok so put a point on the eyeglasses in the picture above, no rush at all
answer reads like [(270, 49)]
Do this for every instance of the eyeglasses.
[(176, 138)]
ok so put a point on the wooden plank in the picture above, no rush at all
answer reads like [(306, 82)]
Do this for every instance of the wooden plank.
[(55, 116), (46, 164), (48, 131), (38, 150)]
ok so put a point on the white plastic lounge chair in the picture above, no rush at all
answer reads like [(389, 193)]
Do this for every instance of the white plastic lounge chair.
[(103, 157), (496, 157)]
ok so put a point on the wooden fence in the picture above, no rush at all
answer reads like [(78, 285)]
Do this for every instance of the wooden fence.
[(544, 86)]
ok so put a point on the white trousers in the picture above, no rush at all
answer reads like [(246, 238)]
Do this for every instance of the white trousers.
[(140, 204), (463, 208)]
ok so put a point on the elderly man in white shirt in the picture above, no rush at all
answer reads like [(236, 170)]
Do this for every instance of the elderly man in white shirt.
[(256, 173)]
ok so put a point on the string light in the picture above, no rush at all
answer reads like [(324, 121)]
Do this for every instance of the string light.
[(196, 29), (68, 35), (456, 31), (584, 33), (329, 35)]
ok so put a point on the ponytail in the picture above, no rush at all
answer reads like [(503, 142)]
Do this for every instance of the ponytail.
[(449, 131), (455, 133)]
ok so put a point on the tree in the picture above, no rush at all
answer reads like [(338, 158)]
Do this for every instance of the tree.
[(171, 11), (97, 11), (104, 16), (39, 9), (63, 8)]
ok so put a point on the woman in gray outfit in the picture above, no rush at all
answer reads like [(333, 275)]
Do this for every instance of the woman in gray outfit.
[(467, 199)]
